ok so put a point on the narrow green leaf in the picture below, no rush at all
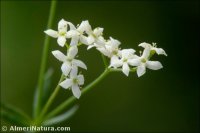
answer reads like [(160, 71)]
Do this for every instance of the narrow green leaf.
[(46, 90), (61, 118), (35, 101), (14, 115), (12, 119), (47, 85)]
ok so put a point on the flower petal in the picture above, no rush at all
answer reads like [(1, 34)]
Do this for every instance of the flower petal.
[(72, 33), (72, 52), (160, 51), (61, 40), (125, 69), (51, 33), (74, 72), (59, 55), (144, 45), (100, 41), (71, 26), (66, 83), (90, 39), (98, 31), (79, 63), (84, 26), (154, 65), (66, 67), (134, 62), (146, 52), (115, 62), (76, 91), (74, 41), (115, 41), (127, 53), (80, 79), (90, 46), (104, 51), (83, 39), (62, 24), (141, 70)]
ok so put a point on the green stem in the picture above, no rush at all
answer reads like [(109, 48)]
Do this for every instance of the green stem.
[(52, 97), (72, 98), (104, 61), (44, 58)]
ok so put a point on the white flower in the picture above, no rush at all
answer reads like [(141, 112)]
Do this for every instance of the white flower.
[(95, 37), (60, 34), (127, 58), (68, 61), (84, 26), (76, 34), (144, 62), (153, 48), (111, 48), (74, 81)]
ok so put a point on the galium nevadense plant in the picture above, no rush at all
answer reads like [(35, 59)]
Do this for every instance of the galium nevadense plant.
[(70, 38), (123, 60)]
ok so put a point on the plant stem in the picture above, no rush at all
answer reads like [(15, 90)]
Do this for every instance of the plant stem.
[(104, 61), (72, 98), (50, 100), (44, 58)]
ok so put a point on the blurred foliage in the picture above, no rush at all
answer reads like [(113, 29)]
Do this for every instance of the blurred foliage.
[(14, 116)]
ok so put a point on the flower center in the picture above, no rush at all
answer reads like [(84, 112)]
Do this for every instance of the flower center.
[(69, 59), (80, 32), (143, 60), (94, 35), (115, 52), (125, 60), (62, 33), (75, 80)]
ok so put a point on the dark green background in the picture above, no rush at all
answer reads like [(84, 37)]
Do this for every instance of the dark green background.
[(160, 101)]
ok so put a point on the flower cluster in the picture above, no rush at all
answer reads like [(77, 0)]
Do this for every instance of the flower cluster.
[(123, 59)]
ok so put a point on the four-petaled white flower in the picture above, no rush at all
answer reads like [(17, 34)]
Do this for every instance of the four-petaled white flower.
[(95, 38), (144, 62), (153, 47), (68, 61), (76, 34), (61, 34), (127, 58), (111, 48), (74, 81)]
